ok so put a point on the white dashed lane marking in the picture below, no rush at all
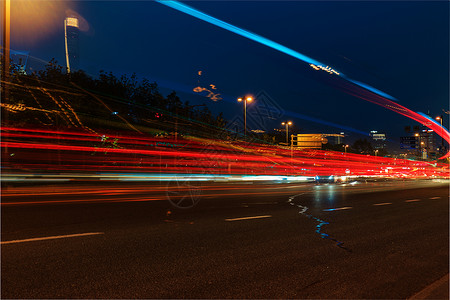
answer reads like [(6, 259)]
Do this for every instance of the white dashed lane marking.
[(248, 218), (412, 200), (51, 238), (380, 204)]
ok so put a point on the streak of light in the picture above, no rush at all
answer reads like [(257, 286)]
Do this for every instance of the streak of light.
[(262, 40), (128, 158), (99, 200), (51, 237), (260, 203), (105, 105), (393, 106), (326, 69), (82, 191), (434, 198), (36, 192), (340, 208), (7, 178), (413, 200), (211, 95), (248, 218), (381, 204), (138, 199), (375, 96)]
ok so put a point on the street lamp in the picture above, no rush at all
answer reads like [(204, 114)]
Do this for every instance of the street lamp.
[(287, 130), (5, 58), (245, 100), (417, 140), (423, 149), (345, 148), (6, 44), (439, 118)]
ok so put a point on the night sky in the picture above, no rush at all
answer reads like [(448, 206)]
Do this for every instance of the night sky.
[(400, 48)]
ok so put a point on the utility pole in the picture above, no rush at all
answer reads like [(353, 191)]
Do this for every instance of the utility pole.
[(287, 123), (439, 118), (6, 47), (5, 61)]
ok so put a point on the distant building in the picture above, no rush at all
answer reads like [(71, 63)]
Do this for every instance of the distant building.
[(71, 32), (409, 143), (308, 141), (19, 61), (316, 140), (257, 131), (335, 138), (427, 143), (378, 139), (422, 144)]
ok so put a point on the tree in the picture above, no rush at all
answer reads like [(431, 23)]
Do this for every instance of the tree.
[(363, 146), (53, 73), (54, 98), (334, 147)]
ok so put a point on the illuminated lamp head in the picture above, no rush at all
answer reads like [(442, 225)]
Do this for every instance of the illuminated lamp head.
[(73, 22)]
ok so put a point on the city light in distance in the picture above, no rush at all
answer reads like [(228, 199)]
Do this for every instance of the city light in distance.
[(247, 99), (90, 152), (326, 69), (72, 22)]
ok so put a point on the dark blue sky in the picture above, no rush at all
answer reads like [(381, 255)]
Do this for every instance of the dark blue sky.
[(401, 48)]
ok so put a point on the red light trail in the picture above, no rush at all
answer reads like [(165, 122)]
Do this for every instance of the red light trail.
[(64, 152)]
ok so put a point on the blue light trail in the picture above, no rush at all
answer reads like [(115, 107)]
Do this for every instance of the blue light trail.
[(313, 63), (262, 40), (431, 119)]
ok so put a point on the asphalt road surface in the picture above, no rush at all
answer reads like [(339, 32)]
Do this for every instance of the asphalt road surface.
[(383, 240)]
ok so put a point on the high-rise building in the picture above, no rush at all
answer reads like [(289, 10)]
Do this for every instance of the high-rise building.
[(427, 143), (421, 144), (335, 138), (19, 61), (71, 31), (379, 139), (409, 143), (316, 140)]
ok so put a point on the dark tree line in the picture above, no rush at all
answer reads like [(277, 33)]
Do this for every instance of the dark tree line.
[(360, 146), (53, 98)]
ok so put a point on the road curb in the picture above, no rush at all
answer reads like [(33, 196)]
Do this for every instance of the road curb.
[(437, 290)]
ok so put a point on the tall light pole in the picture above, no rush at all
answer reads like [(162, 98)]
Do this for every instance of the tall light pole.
[(424, 150), (287, 123), (439, 118), (345, 148), (418, 139), (6, 46), (5, 59), (245, 100)]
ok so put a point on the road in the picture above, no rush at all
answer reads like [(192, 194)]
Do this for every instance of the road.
[(384, 240)]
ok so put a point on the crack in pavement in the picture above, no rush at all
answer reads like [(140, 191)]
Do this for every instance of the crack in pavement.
[(323, 235)]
